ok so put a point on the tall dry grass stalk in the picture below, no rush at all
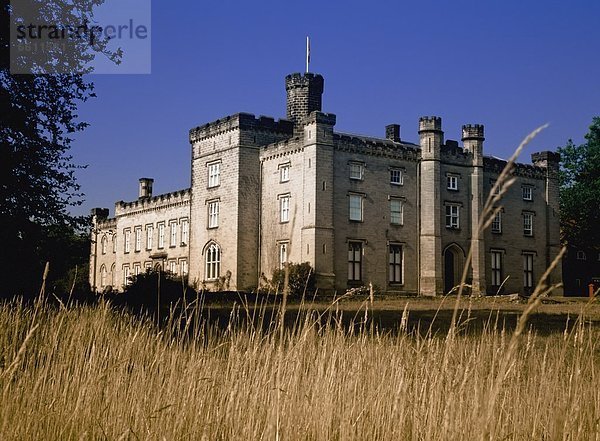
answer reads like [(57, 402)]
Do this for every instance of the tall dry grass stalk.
[(96, 373)]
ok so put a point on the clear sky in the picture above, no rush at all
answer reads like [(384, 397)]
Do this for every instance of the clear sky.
[(511, 65)]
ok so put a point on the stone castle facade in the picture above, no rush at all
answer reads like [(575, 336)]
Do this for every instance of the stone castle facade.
[(360, 210)]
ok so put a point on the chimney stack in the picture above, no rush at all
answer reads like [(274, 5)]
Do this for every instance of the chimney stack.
[(146, 188)]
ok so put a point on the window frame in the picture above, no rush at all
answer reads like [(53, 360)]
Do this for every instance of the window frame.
[(161, 235), (496, 266), (528, 270), (212, 260), (400, 173), (394, 265), (185, 231), (213, 211), (283, 253), (452, 182), (527, 227), (360, 208), (214, 174), (399, 213), (355, 265), (356, 166), (451, 216), (284, 208), (149, 236), (496, 225), (284, 172), (529, 195), (137, 231), (127, 240)]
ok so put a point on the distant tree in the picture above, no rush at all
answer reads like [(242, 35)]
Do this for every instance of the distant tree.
[(37, 181), (580, 190)]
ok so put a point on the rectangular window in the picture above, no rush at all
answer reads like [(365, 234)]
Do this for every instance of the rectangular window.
[(137, 269), (452, 182), (149, 236), (173, 267), (527, 224), (126, 275), (527, 193), (284, 209), (284, 173), (452, 216), (355, 207), (496, 268), (528, 270), (395, 264), (184, 267), (173, 235), (396, 212), (127, 241), (354, 261), (356, 171), (283, 254), (396, 177), (185, 231), (214, 174), (161, 235), (213, 214), (138, 238), (497, 223)]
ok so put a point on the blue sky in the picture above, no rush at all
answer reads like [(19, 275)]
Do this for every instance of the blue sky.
[(511, 65)]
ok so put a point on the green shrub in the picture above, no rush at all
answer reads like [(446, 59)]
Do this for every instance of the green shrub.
[(301, 279)]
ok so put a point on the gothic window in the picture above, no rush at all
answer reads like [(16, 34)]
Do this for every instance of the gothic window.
[(102, 276), (213, 262), (104, 243)]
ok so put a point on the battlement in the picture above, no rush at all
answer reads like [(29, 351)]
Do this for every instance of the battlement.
[(280, 148), (320, 118), (375, 146), (473, 132), (298, 80), (430, 124), (123, 208), (545, 159), (495, 165), (107, 223), (241, 121)]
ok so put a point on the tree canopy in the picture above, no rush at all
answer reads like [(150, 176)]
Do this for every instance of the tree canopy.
[(580, 190)]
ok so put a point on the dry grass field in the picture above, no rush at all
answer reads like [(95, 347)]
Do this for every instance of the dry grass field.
[(331, 373)]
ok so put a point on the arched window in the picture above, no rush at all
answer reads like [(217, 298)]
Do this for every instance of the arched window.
[(102, 276), (213, 262), (114, 243), (103, 244), (113, 275)]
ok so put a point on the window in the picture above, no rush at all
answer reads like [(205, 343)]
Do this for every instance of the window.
[(126, 275), (498, 188), (113, 274), (496, 268), (213, 262), (356, 171), (103, 243), (497, 223), (138, 238), (213, 214), (102, 276), (396, 212), (185, 231), (137, 269), (355, 205), (284, 208), (173, 227), (283, 254), (114, 243), (149, 236), (452, 182), (395, 264), (184, 267), (528, 270), (527, 193), (214, 174), (173, 267), (527, 224), (161, 235), (581, 255), (148, 266), (452, 216), (127, 241), (354, 261), (396, 177), (284, 173)]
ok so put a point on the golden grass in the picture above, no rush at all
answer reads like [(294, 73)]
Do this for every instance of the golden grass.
[(95, 373)]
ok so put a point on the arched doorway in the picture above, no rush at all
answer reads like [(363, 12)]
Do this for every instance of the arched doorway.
[(454, 260)]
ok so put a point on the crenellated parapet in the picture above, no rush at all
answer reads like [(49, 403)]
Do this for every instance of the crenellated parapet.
[(167, 200), (430, 124), (375, 147), (495, 165), (241, 121), (281, 149)]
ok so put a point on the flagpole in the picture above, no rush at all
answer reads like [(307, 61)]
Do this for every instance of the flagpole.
[(307, 53)]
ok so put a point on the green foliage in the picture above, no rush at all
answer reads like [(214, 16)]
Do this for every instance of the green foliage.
[(580, 190), (301, 278), (37, 174)]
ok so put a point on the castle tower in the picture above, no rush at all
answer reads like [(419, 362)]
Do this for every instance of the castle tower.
[(550, 161), (472, 138), (430, 241), (304, 96)]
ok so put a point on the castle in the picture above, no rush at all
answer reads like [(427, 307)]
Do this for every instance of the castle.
[(359, 209)]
